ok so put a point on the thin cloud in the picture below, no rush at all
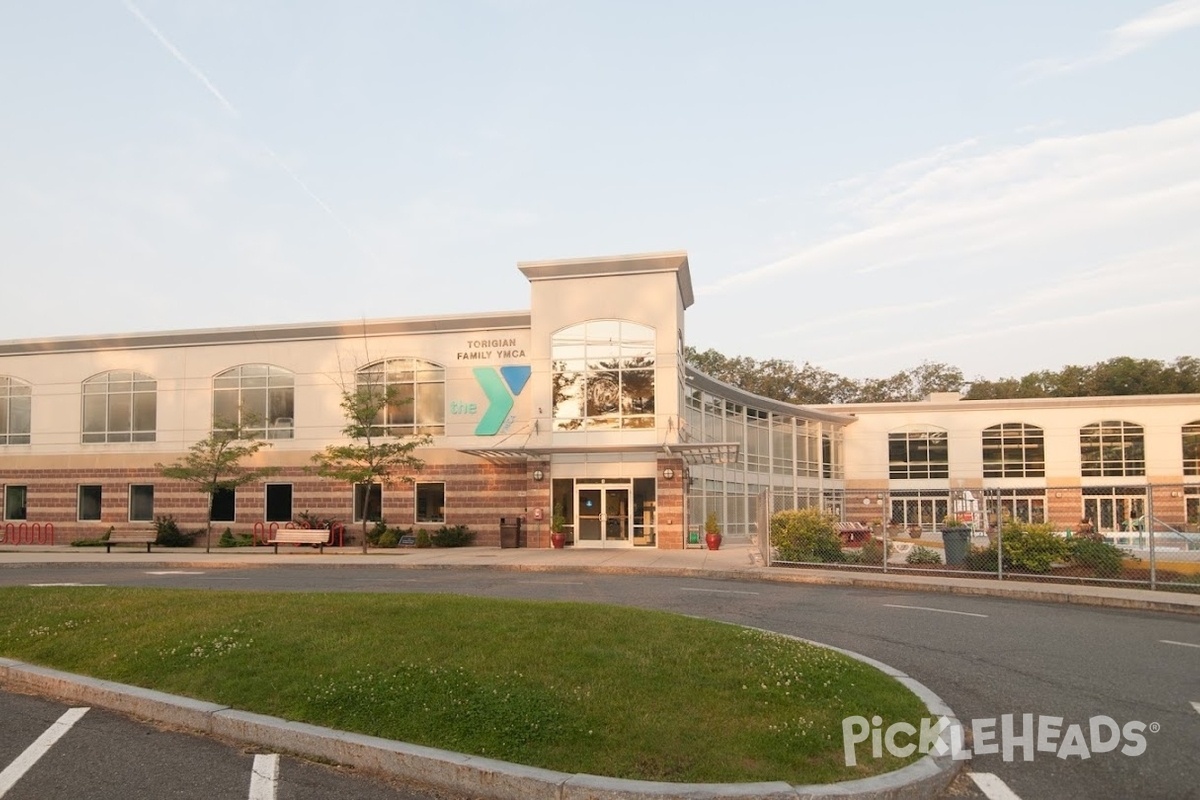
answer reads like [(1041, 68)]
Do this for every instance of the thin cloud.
[(843, 317), (199, 75), (1109, 316), (1126, 39), (1011, 203)]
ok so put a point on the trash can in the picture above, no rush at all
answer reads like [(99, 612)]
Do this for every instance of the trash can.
[(510, 532), (956, 540)]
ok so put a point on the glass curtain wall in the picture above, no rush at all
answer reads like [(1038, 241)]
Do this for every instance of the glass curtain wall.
[(800, 460)]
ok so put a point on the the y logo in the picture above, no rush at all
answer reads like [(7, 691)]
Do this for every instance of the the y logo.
[(500, 385)]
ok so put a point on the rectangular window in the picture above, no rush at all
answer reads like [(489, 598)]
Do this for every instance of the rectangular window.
[(1191, 449), (918, 454), (89, 502), (371, 501), (431, 502), (14, 502), (141, 503), (279, 502), (223, 503)]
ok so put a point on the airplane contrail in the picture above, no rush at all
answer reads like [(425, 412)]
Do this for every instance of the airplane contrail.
[(199, 75), (181, 58)]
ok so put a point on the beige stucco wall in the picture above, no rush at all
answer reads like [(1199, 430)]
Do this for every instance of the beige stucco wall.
[(1161, 416)]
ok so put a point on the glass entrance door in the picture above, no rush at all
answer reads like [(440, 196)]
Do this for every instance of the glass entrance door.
[(602, 516)]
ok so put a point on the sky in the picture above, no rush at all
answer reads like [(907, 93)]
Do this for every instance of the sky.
[(1002, 187)]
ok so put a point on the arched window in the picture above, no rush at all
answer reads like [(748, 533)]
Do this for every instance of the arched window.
[(602, 375), (918, 453), (15, 406), (120, 406), (1113, 448), (1014, 450), (258, 397), (420, 390), (1191, 448)]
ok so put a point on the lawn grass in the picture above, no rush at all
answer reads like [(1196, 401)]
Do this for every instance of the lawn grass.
[(568, 686)]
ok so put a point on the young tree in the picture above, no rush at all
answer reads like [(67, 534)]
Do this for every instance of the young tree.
[(373, 456), (214, 464)]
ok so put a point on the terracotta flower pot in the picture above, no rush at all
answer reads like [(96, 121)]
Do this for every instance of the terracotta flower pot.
[(713, 540), (558, 540)]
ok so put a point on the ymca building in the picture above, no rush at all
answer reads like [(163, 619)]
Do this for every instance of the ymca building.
[(583, 402)]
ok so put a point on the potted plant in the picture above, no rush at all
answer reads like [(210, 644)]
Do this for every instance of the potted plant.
[(557, 522), (712, 532)]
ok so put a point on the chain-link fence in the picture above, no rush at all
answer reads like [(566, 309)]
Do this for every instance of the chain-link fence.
[(1141, 536)]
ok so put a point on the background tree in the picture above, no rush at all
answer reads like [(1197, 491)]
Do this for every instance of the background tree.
[(373, 456), (214, 464), (781, 380)]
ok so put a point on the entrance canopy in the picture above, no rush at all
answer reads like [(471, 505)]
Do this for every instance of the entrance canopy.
[(688, 452)]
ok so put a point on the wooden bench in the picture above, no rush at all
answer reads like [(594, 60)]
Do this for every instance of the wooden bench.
[(145, 536), (853, 533), (317, 536)]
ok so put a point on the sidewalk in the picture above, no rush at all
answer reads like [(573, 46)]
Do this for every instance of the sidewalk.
[(737, 561)]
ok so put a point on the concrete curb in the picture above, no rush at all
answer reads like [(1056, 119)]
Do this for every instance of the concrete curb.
[(473, 775)]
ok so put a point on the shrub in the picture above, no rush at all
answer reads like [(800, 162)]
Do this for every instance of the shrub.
[(169, 535), (389, 538), (423, 539), (231, 539), (1105, 558), (375, 534), (872, 551), (923, 555), (452, 536), (1033, 547), (307, 519), (983, 559), (806, 535)]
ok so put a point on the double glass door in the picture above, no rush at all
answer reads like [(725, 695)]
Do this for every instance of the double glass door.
[(602, 516)]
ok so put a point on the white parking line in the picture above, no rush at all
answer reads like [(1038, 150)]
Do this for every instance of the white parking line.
[(939, 610), (172, 572), (993, 787), (1181, 644), (553, 583), (716, 591), (264, 777), (13, 772), (40, 585)]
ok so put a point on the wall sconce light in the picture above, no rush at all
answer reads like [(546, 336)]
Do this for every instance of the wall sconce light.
[(1058, 494), (1174, 494), (538, 474), (668, 473)]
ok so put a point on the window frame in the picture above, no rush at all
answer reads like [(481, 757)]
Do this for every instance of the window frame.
[(257, 386), (421, 390), (270, 489), (85, 488), (130, 407), (927, 441), (213, 507), (8, 506), (1117, 449), (1190, 443), (1008, 438), (418, 504), (139, 488), (16, 403), (374, 501), (595, 366)]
